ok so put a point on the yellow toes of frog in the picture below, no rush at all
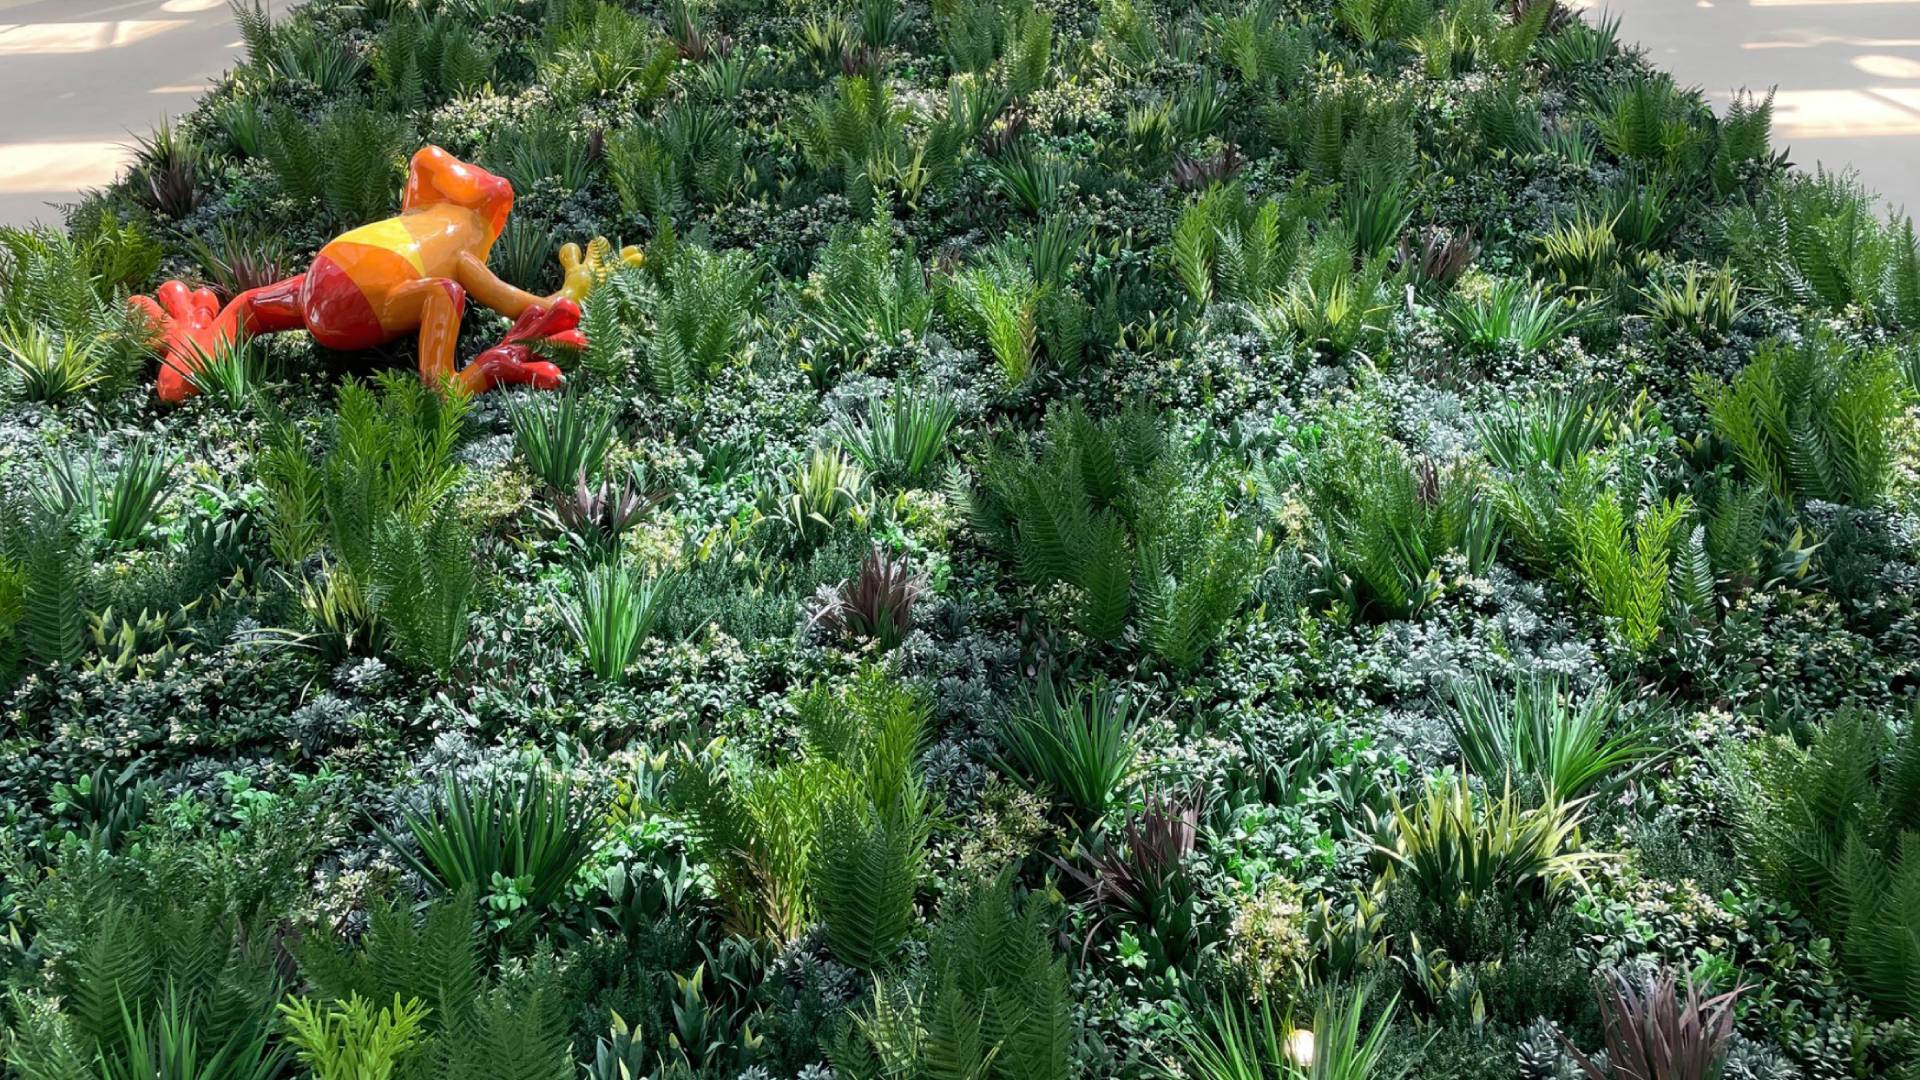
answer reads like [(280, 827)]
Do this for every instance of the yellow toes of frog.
[(586, 270)]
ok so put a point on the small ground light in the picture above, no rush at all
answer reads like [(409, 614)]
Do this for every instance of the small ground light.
[(1300, 1047)]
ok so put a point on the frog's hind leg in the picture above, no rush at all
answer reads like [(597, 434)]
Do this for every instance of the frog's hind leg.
[(192, 326), (436, 305)]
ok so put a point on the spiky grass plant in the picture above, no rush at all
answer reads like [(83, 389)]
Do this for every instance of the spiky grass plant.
[(563, 438), (612, 612), (478, 834), (1513, 313), (1541, 733), (1239, 1041), (1657, 1031), (44, 368), (1457, 850), (875, 604), (901, 438), (1077, 741)]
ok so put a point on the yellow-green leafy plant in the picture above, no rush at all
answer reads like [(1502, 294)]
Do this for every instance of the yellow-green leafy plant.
[(349, 1040)]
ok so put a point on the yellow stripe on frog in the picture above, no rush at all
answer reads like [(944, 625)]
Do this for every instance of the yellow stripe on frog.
[(389, 235)]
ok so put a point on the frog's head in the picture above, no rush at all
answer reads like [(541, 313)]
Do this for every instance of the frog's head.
[(435, 177)]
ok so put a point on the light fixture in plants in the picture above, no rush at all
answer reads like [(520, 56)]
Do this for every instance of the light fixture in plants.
[(1237, 1041)]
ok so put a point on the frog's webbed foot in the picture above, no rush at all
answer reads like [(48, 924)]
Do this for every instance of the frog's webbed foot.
[(586, 271), (513, 361), (190, 327)]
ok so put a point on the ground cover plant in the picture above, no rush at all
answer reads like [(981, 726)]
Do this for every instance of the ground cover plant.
[(1094, 538)]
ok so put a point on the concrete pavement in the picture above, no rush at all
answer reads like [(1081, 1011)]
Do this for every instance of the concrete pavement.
[(1847, 72), (80, 78)]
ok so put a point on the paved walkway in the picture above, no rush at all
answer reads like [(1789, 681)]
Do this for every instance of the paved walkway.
[(1847, 72), (80, 77)]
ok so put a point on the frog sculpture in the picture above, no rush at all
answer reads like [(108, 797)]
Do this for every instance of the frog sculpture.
[(413, 272)]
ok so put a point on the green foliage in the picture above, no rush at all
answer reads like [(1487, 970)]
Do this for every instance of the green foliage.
[(44, 370), (605, 51), (1742, 141), (1253, 1042), (1625, 565), (349, 1040), (1816, 240), (1457, 849), (819, 499), (419, 58), (64, 329), (703, 320), (120, 508), (479, 838), (999, 302), (1651, 122), (612, 612), (392, 458), (564, 439), (1250, 253), (351, 162), (1513, 313), (514, 1028), (864, 296), (1372, 21), (51, 581), (1811, 420), (1261, 49), (1381, 521), (1107, 508), (868, 866), (295, 488), (902, 438), (840, 832), (1330, 306), (1833, 828), (1704, 305), (422, 586), (990, 1001), (1541, 733), (1078, 741)]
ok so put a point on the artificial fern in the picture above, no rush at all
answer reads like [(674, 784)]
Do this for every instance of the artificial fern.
[(422, 586), (1834, 827), (865, 874), (1812, 420), (993, 1001), (1626, 568), (49, 581)]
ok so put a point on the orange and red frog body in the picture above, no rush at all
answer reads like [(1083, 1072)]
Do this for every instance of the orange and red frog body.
[(381, 281)]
